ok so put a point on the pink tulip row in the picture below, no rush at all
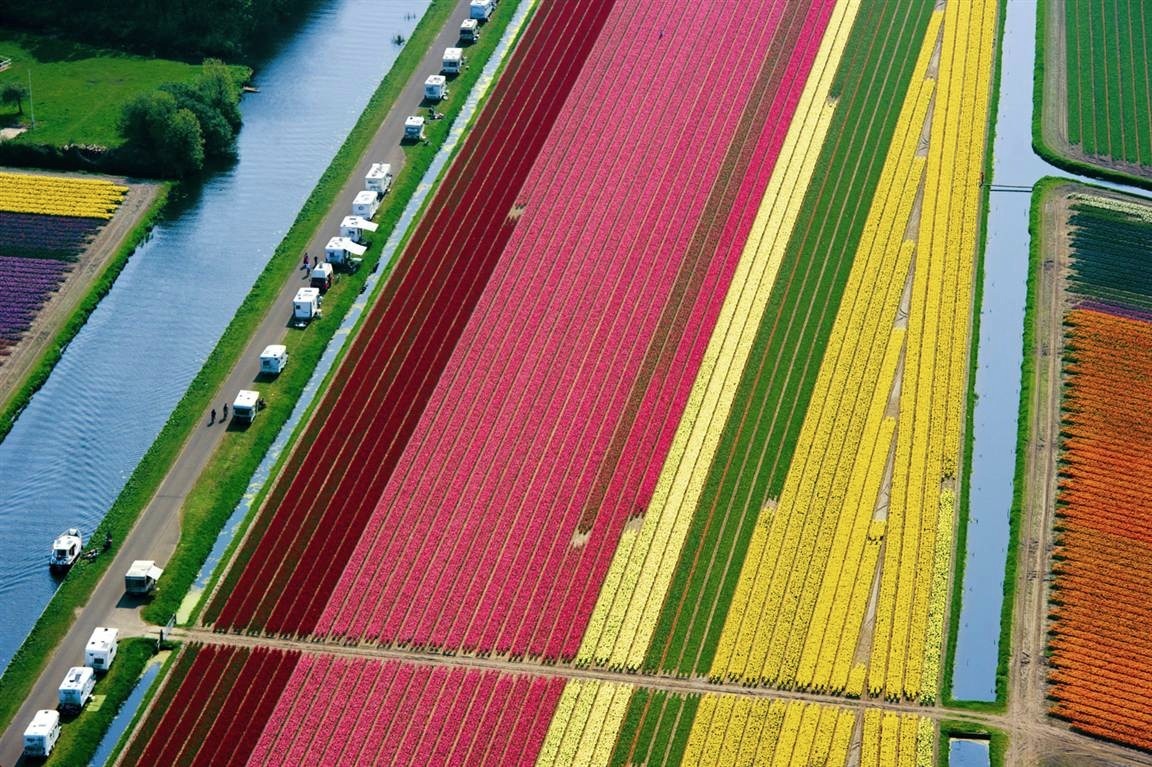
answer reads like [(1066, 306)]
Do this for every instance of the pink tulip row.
[(476, 543), (363, 711)]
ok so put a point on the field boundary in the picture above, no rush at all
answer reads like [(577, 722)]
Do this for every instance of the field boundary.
[(1050, 107)]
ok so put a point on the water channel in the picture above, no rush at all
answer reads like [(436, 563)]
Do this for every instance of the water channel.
[(998, 360), (83, 434)]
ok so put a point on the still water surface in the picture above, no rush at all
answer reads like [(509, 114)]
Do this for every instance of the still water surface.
[(83, 434)]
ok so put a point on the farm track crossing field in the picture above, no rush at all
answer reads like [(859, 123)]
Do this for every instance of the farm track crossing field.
[(1109, 79), (1100, 671)]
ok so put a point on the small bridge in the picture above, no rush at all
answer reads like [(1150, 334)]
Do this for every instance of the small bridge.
[(1008, 188)]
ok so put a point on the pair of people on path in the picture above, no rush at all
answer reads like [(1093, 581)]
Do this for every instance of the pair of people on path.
[(223, 419)]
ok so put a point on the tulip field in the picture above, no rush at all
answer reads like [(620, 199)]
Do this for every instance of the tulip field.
[(1101, 653), (668, 383), (45, 223)]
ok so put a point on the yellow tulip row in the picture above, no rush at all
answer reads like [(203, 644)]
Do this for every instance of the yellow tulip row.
[(734, 730), (59, 196), (799, 605), (586, 724), (907, 642), (896, 740), (621, 626)]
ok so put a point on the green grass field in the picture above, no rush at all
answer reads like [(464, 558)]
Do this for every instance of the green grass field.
[(759, 439), (656, 728), (1109, 79), (78, 91)]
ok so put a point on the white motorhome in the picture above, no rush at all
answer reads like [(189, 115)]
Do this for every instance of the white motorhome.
[(343, 253), (273, 359), (379, 177), (142, 576), (76, 689), (470, 31), (413, 129), (365, 204), (305, 306), (453, 62), (435, 88), (246, 405), (353, 228), (321, 277), (43, 732), (101, 648), (481, 9)]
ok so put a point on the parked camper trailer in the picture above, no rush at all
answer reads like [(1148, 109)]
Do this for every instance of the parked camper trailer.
[(366, 203), (321, 277), (305, 306), (453, 63), (142, 576), (435, 88), (481, 9), (101, 649), (43, 732), (470, 31), (344, 254), (246, 406), (76, 689), (353, 228), (273, 359), (379, 177), (413, 130)]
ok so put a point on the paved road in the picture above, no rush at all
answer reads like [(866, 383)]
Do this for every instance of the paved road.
[(158, 528)]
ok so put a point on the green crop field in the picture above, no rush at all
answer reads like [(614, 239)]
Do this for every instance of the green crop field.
[(78, 91), (1109, 82), (760, 436)]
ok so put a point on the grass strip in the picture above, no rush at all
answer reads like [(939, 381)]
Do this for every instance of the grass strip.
[(38, 374), (757, 443), (211, 503), (80, 736)]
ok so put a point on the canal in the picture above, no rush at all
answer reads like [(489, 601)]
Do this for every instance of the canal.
[(82, 435)]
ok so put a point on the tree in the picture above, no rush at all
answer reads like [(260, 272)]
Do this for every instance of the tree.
[(158, 127), (182, 145), (14, 93)]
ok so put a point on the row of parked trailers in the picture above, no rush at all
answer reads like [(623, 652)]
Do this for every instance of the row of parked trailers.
[(75, 691)]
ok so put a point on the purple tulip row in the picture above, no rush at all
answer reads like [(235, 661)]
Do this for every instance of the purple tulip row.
[(29, 234), (25, 284)]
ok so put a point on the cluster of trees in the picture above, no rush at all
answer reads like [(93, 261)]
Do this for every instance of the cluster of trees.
[(174, 28), (14, 94), (178, 128)]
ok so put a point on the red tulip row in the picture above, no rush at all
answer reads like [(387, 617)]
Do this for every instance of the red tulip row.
[(1100, 653), (226, 696), (361, 711), (318, 509)]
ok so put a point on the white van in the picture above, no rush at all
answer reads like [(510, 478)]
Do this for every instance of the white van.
[(41, 736), (101, 649)]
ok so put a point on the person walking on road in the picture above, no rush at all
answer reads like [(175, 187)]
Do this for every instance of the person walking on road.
[(225, 418), (212, 418), (304, 266)]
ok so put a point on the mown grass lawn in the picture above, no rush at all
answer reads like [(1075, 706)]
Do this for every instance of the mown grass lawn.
[(78, 91)]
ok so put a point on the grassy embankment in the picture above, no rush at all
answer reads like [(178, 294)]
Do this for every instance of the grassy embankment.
[(1087, 125), (770, 408), (210, 504), (961, 535), (80, 736), (952, 728), (39, 373), (79, 91)]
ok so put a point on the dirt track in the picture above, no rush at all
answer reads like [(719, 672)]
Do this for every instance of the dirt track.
[(24, 356)]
